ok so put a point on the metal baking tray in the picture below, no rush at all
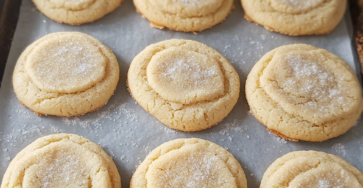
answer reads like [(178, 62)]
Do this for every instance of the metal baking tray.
[(128, 133)]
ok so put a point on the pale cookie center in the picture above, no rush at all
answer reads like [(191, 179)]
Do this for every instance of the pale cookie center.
[(189, 169), (59, 169), (71, 4), (309, 85), (185, 77), (66, 65), (188, 8), (295, 6), (326, 175)]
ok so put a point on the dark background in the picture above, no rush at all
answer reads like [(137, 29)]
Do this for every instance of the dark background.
[(9, 14)]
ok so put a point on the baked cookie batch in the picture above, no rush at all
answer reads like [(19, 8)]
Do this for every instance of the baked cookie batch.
[(299, 92)]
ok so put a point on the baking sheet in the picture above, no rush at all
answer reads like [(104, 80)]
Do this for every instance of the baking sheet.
[(127, 132)]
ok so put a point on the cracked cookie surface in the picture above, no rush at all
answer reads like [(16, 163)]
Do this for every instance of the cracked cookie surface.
[(76, 12), (185, 84), (65, 74), (62, 160), (184, 15), (296, 17), (301, 92), (189, 163), (311, 169)]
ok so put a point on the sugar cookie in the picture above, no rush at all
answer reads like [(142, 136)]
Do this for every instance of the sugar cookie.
[(76, 12), (185, 84), (189, 163), (65, 74), (296, 17), (302, 169), (184, 15), (62, 160), (301, 92)]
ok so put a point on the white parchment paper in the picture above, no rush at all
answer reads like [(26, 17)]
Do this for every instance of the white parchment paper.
[(127, 132)]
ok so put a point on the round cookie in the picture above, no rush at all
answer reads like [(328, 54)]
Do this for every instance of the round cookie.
[(76, 12), (311, 169), (65, 74), (189, 163), (184, 15), (296, 17), (62, 160), (185, 84), (301, 92)]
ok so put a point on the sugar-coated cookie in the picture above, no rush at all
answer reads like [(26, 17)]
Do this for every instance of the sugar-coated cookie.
[(62, 160), (296, 17), (185, 84), (65, 74), (189, 163), (184, 15), (301, 92), (311, 169), (76, 12)]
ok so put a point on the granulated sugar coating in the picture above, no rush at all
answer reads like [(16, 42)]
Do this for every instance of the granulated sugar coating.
[(62, 160), (188, 2), (324, 184), (76, 12), (72, 4), (185, 84), (189, 163), (296, 17), (300, 92), (301, 4), (66, 65), (307, 84), (185, 76), (312, 169), (184, 15), (189, 171), (60, 168), (65, 74)]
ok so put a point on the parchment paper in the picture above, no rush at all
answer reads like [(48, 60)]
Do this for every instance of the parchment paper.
[(127, 132)]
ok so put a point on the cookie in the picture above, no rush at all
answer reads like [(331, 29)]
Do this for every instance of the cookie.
[(189, 163), (76, 12), (311, 169), (296, 17), (184, 15), (65, 74), (301, 92), (185, 84), (62, 160)]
